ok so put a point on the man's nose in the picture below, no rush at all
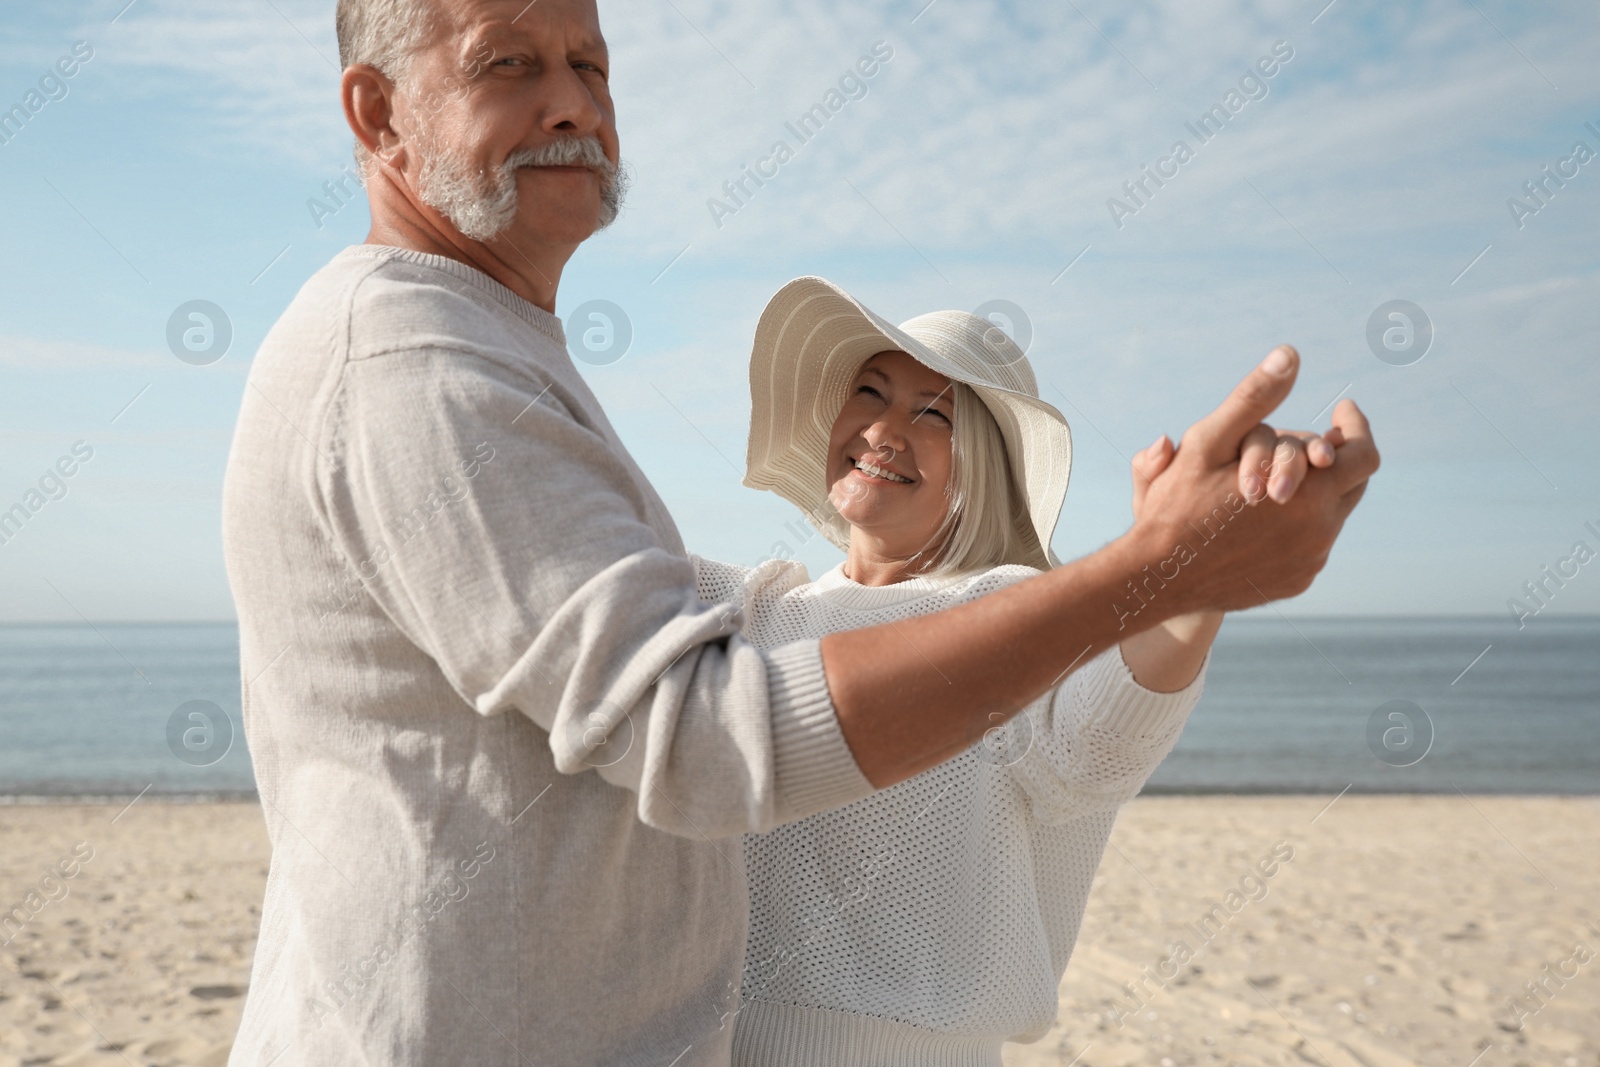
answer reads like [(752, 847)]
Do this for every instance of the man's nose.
[(569, 106)]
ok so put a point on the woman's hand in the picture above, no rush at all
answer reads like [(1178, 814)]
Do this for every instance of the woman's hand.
[(1271, 465), (1167, 657)]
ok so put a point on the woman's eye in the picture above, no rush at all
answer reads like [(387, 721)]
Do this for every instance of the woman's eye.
[(934, 411), (870, 389)]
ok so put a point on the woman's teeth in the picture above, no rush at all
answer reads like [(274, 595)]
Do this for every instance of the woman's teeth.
[(879, 472)]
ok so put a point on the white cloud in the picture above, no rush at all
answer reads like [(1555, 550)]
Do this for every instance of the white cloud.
[(34, 353), (991, 126), (262, 74), (991, 142)]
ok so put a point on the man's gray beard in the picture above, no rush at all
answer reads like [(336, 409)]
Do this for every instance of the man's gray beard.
[(482, 202)]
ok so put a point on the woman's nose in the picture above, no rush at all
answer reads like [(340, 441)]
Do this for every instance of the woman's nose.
[(885, 439)]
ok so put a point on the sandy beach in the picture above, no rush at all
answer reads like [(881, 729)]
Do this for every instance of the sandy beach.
[(1372, 932)]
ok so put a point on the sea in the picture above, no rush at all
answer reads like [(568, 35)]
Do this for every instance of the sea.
[(1291, 705)]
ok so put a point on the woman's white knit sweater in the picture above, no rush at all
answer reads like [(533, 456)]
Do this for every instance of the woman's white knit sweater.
[(931, 922)]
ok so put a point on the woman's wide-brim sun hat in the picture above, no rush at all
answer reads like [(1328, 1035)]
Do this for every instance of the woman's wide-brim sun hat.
[(810, 343)]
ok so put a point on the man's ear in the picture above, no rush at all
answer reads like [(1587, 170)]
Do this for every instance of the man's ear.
[(368, 97)]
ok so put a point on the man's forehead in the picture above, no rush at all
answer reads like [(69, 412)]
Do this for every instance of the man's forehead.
[(578, 21)]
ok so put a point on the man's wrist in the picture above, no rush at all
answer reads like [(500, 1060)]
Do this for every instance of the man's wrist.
[(1150, 561)]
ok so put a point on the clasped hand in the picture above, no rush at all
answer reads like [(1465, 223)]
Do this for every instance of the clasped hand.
[(1300, 484)]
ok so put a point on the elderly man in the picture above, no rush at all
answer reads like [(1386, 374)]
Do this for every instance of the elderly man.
[(501, 747)]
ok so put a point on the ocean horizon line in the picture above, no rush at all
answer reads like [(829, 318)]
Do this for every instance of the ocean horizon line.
[(1494, 710)]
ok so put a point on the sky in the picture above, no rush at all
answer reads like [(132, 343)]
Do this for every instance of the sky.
[(198, 152)]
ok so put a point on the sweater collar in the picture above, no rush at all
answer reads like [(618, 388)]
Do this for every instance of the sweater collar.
[(841, 590), (529, 312)]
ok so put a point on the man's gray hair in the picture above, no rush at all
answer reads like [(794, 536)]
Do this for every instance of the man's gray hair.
[(385, 34)]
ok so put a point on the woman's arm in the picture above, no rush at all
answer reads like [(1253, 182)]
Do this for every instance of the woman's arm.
[(1167, 657), (1090, 746)]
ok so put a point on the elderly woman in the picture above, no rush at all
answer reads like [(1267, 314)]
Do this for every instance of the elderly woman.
[(930, 922)]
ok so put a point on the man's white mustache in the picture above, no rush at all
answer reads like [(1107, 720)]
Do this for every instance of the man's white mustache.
[(481, 201), (567, 152)]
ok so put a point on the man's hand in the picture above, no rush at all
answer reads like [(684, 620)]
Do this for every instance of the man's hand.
[(1272, 463), (1234, 556), (912, 693)]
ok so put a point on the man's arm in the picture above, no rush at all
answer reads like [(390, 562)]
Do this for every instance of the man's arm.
[(913, 693), (1272, 465), (510, 540)]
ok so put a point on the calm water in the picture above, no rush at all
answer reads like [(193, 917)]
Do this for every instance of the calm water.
[(1287, 707), (87, 710)]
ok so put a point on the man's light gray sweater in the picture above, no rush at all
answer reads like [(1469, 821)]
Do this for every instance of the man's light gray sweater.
[(502, 749)]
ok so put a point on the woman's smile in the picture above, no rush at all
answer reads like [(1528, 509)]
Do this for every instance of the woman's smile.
[(877, 474), (893, 431)]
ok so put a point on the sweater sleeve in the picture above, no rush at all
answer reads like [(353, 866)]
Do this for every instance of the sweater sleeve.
[(512, 542), (716, 582), (1090, 744)]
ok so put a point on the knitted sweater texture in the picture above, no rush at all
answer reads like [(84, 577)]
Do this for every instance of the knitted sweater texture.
[(496, 734), (931, 922)]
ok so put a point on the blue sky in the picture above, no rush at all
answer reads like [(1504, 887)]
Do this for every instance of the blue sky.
[(976, 166)]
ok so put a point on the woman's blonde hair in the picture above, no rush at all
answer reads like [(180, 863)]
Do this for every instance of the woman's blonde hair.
[(984, 524)]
